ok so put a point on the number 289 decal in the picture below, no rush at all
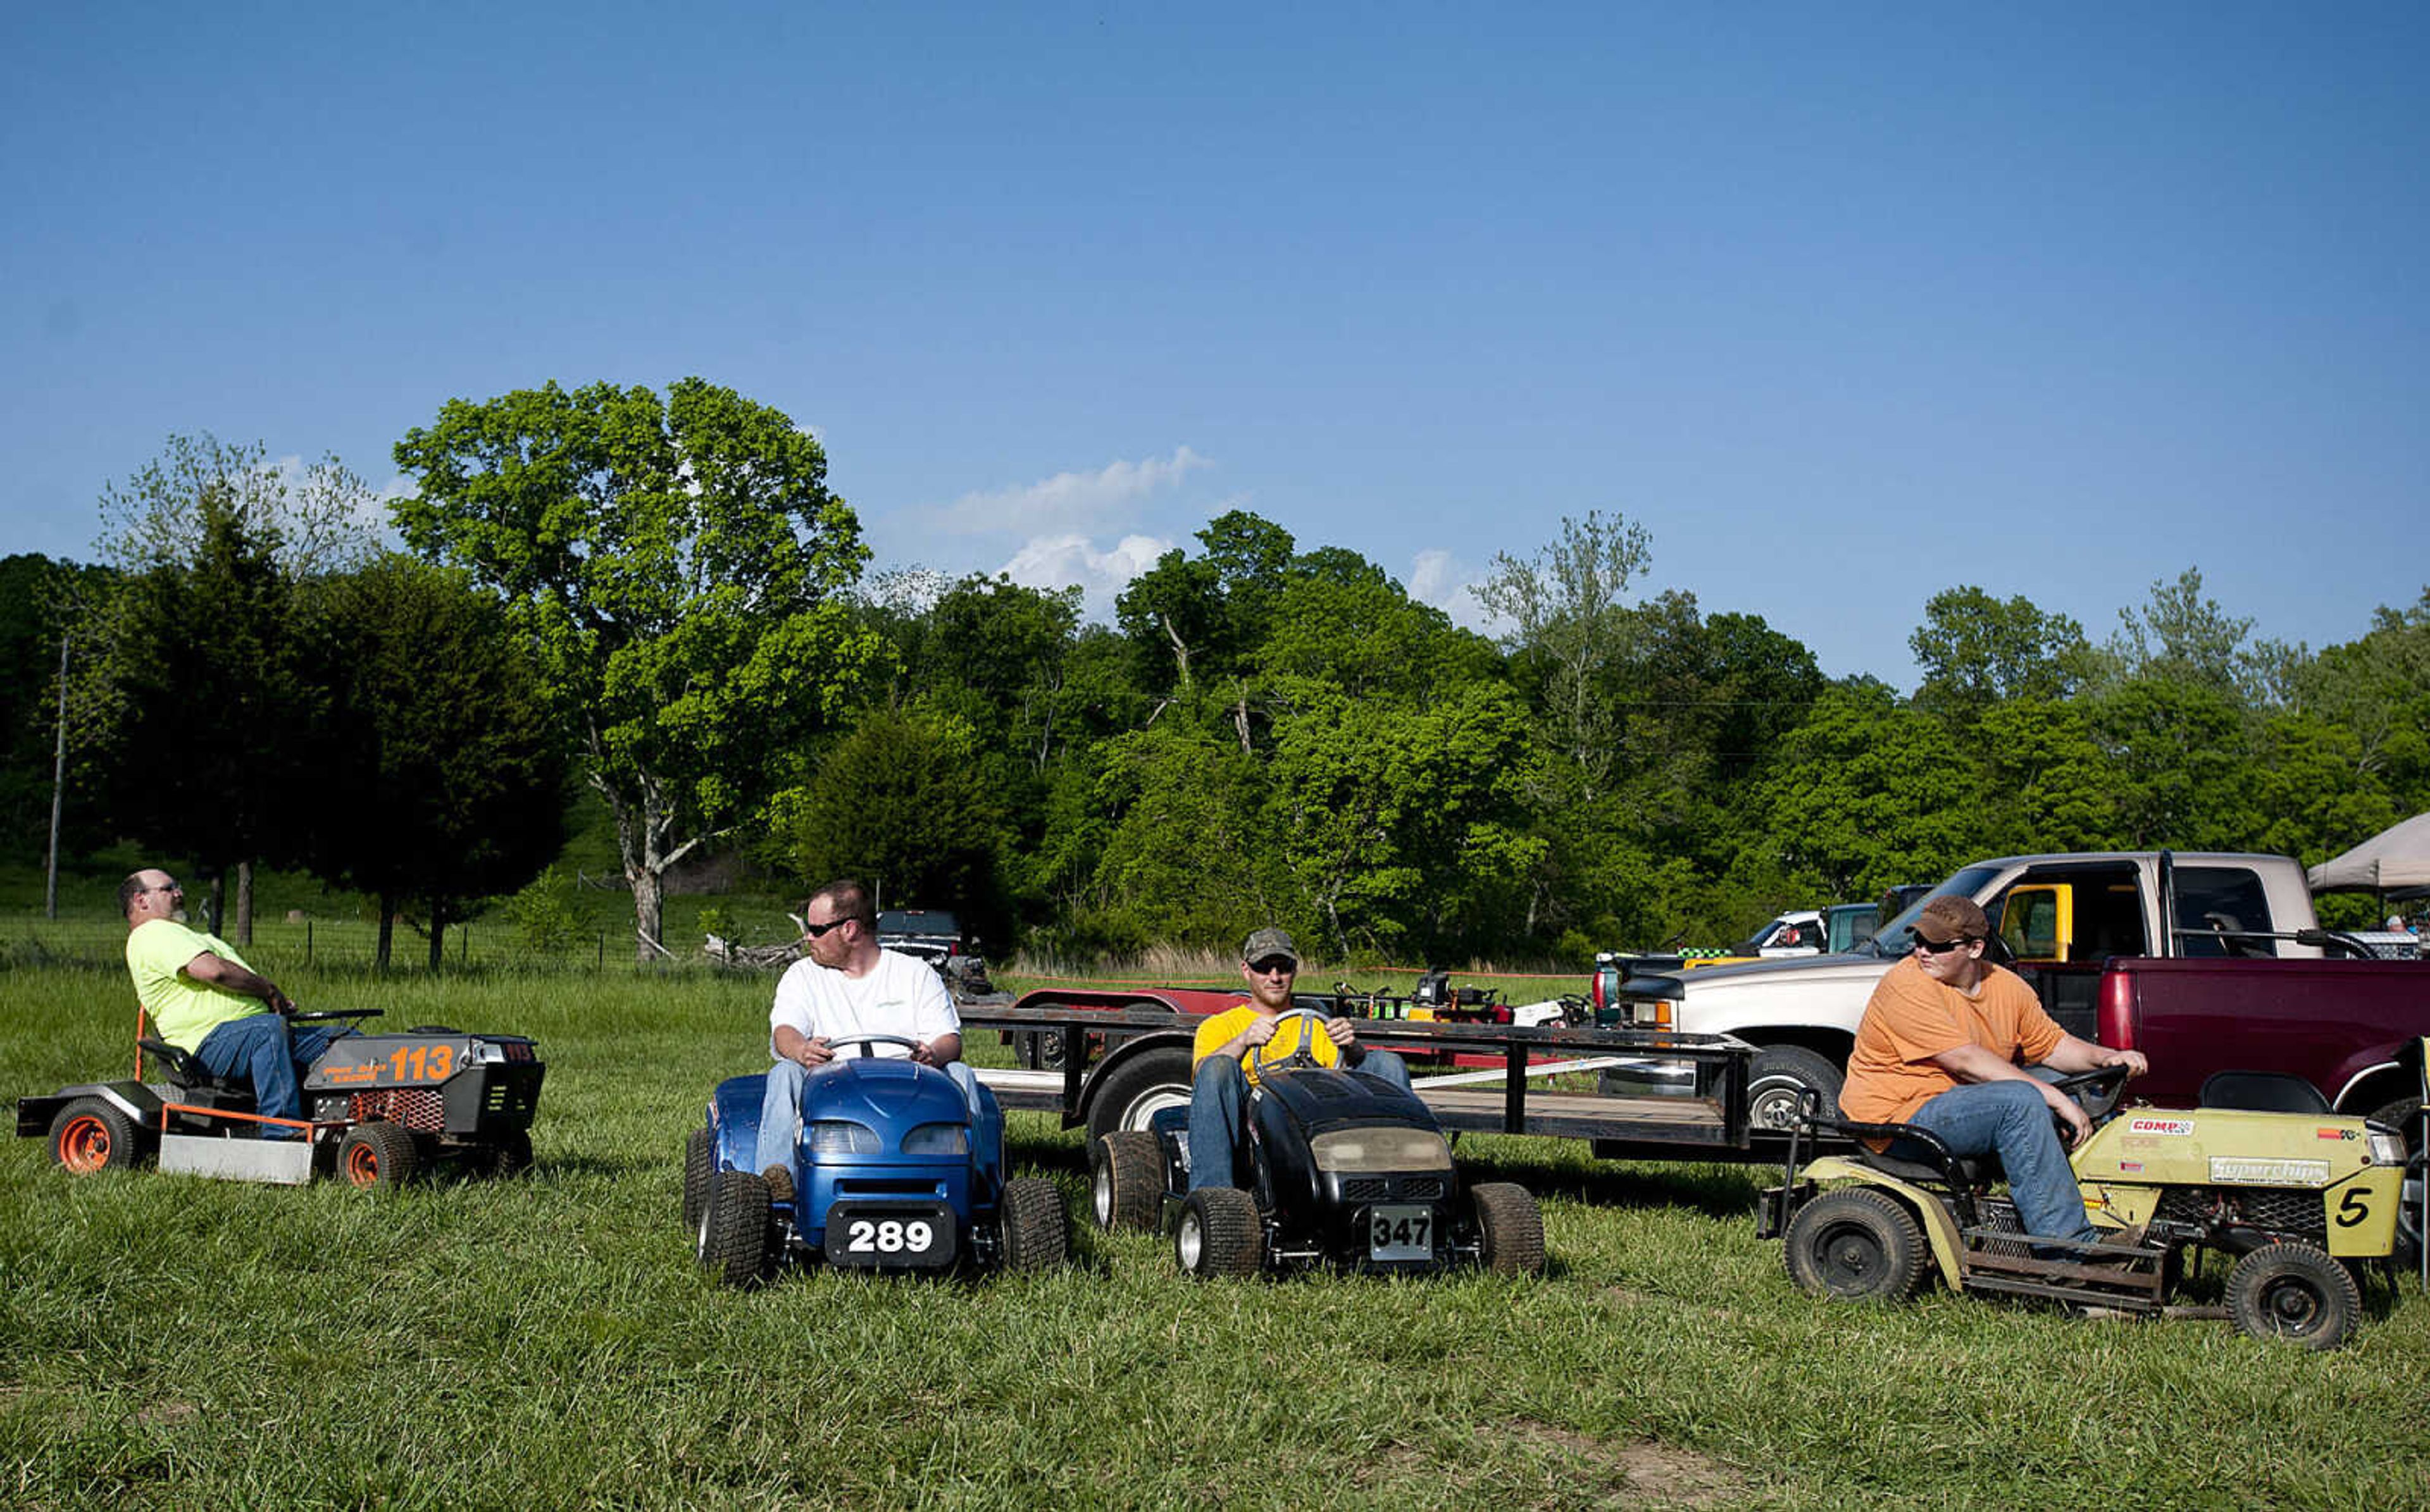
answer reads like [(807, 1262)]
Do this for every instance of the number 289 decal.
[(888, 1236)]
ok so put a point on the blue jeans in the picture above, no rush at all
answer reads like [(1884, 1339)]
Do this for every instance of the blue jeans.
[(1219, 1111), (780, 1116), (2011, 1118), (261, 1047)]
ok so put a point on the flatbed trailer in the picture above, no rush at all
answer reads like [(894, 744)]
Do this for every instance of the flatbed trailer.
[(1108, 1060)]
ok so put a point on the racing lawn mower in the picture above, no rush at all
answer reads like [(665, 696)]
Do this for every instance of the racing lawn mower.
[(891, 1173), (1343, 1169), (2303, 1200), (377, 1108)]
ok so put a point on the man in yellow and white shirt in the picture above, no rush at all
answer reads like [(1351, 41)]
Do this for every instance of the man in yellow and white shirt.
[(203, 998), (1231, 1046)]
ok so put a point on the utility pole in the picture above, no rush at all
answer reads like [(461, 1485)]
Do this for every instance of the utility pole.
[(59, 787)]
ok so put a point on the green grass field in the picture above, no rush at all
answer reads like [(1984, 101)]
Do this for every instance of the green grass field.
[(546, 1342)]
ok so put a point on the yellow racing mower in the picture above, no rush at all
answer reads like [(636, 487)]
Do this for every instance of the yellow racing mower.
[(2303, 1199)]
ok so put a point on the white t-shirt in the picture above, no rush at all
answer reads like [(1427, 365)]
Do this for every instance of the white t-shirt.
[(901, 995)]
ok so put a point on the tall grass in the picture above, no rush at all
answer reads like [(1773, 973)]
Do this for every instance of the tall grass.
[(546, 1342)]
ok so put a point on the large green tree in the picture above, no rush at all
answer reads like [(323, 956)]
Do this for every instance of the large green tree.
[(681, 564), (444, 771)]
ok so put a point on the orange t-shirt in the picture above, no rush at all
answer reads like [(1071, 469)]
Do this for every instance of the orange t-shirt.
[(1911, 1018)]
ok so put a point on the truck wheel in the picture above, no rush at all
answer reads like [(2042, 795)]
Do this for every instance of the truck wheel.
[(1036, 1230), (1220, 1234), (700, 1169), (379, 1153), (1777, 1082), (91, 1134), (1511, 1228), (1127, 1180), (1134, 1090), (2296, 1293), (732, 1238), (1854, 1245)]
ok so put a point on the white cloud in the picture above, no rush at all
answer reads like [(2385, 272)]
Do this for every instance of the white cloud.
[(1438, 578), (1068, 504), (1060, 561)]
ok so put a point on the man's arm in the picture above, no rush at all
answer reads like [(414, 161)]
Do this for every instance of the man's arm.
[(799, 1048), (942, 1050), (219, 972), (2074, 1055), (1971, 1062)]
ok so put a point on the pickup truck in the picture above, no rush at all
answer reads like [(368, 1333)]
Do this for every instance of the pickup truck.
[(2205, 961)]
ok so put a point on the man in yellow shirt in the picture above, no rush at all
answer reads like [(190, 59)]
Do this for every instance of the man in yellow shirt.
[(1230, 1047), (204, 999), (1938, 1047)]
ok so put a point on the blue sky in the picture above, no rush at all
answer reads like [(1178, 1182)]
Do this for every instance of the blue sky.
[(1846, 304)]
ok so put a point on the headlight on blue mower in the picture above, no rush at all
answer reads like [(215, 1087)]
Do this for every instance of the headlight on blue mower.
[(2386, 1149), (842, 1137), (937, 1139), (1354, 1151)]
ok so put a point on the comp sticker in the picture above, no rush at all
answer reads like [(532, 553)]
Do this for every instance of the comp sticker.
[(2174, 1126)]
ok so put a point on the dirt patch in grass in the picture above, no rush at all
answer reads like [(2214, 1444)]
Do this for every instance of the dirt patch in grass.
[(1641, 1472), (168, 1414)]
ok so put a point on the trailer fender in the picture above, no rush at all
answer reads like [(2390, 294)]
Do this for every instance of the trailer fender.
[(134, 1098)]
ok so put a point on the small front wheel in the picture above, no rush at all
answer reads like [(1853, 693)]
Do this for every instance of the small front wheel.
[(2294, 1293), (1510, 1228), (379, 1153), (1036, 1230), (1221, 1234), (700, 1165), (1856, 1245), (1127, 1180), (732, 1239)]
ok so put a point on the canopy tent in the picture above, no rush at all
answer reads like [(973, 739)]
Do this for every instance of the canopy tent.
[(2394, 860)]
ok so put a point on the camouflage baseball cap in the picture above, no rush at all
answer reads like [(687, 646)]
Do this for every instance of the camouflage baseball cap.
[(1265, 944)]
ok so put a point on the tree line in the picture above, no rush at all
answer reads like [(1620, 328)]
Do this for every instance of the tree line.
[(655, 597)]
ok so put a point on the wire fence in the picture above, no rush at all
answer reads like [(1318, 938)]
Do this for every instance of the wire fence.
[(333, 945)]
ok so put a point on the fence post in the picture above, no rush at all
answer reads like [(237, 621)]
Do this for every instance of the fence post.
[(308, 941), (603, 950), (464, 943)]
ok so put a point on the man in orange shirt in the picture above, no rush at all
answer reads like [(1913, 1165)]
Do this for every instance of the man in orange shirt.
[(1939, 1046)]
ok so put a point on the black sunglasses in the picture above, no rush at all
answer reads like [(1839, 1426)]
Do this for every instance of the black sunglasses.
[(814, 931), (1939, 947)]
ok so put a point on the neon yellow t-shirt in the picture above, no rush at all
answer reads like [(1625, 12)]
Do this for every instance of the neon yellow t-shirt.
[(1214, 1033), (183, 1010)]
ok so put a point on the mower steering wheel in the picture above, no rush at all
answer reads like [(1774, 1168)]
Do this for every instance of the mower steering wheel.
[(2095, 1091), (841, 1041), (1302, 1057)]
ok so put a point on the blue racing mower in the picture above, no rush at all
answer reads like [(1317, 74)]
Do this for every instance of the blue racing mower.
[(893, 1173)]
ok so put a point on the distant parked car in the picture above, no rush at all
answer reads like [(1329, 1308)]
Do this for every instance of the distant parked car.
[(936, 936)]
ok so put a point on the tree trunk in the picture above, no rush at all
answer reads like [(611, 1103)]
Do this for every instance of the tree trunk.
[(217, 903), (386, 930), (244, 902), (649, 916), (437, 937)]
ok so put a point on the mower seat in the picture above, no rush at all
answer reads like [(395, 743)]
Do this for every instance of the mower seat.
[(1972, 1171), (196, 1082), (2262, 1091)]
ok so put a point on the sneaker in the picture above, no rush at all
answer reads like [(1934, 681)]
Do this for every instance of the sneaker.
[(780, 1184)]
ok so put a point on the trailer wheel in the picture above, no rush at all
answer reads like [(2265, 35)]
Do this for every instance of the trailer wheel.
[(91, 1134), (1221, 1234), (1778, 1081), (1854, 1245), (1036, 1230), (700, 1165), (2296, 1293), (1510, 1226), (1127, 1180), (732, 1238), (1133, 1091), (379, 1153)]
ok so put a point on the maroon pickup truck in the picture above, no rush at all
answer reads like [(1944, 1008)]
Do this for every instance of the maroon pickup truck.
[(2338, 1024)]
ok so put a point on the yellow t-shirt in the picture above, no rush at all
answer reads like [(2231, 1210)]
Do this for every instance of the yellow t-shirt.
[(1911, 1018), (1214, 1033), (184, 1011)]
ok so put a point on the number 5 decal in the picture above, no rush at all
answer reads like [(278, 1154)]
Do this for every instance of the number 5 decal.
[(2355, 1209)]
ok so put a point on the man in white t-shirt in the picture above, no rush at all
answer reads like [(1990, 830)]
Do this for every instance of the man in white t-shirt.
[(849, 986)]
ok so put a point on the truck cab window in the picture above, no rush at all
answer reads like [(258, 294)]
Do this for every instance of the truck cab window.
[(2213, 903)]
